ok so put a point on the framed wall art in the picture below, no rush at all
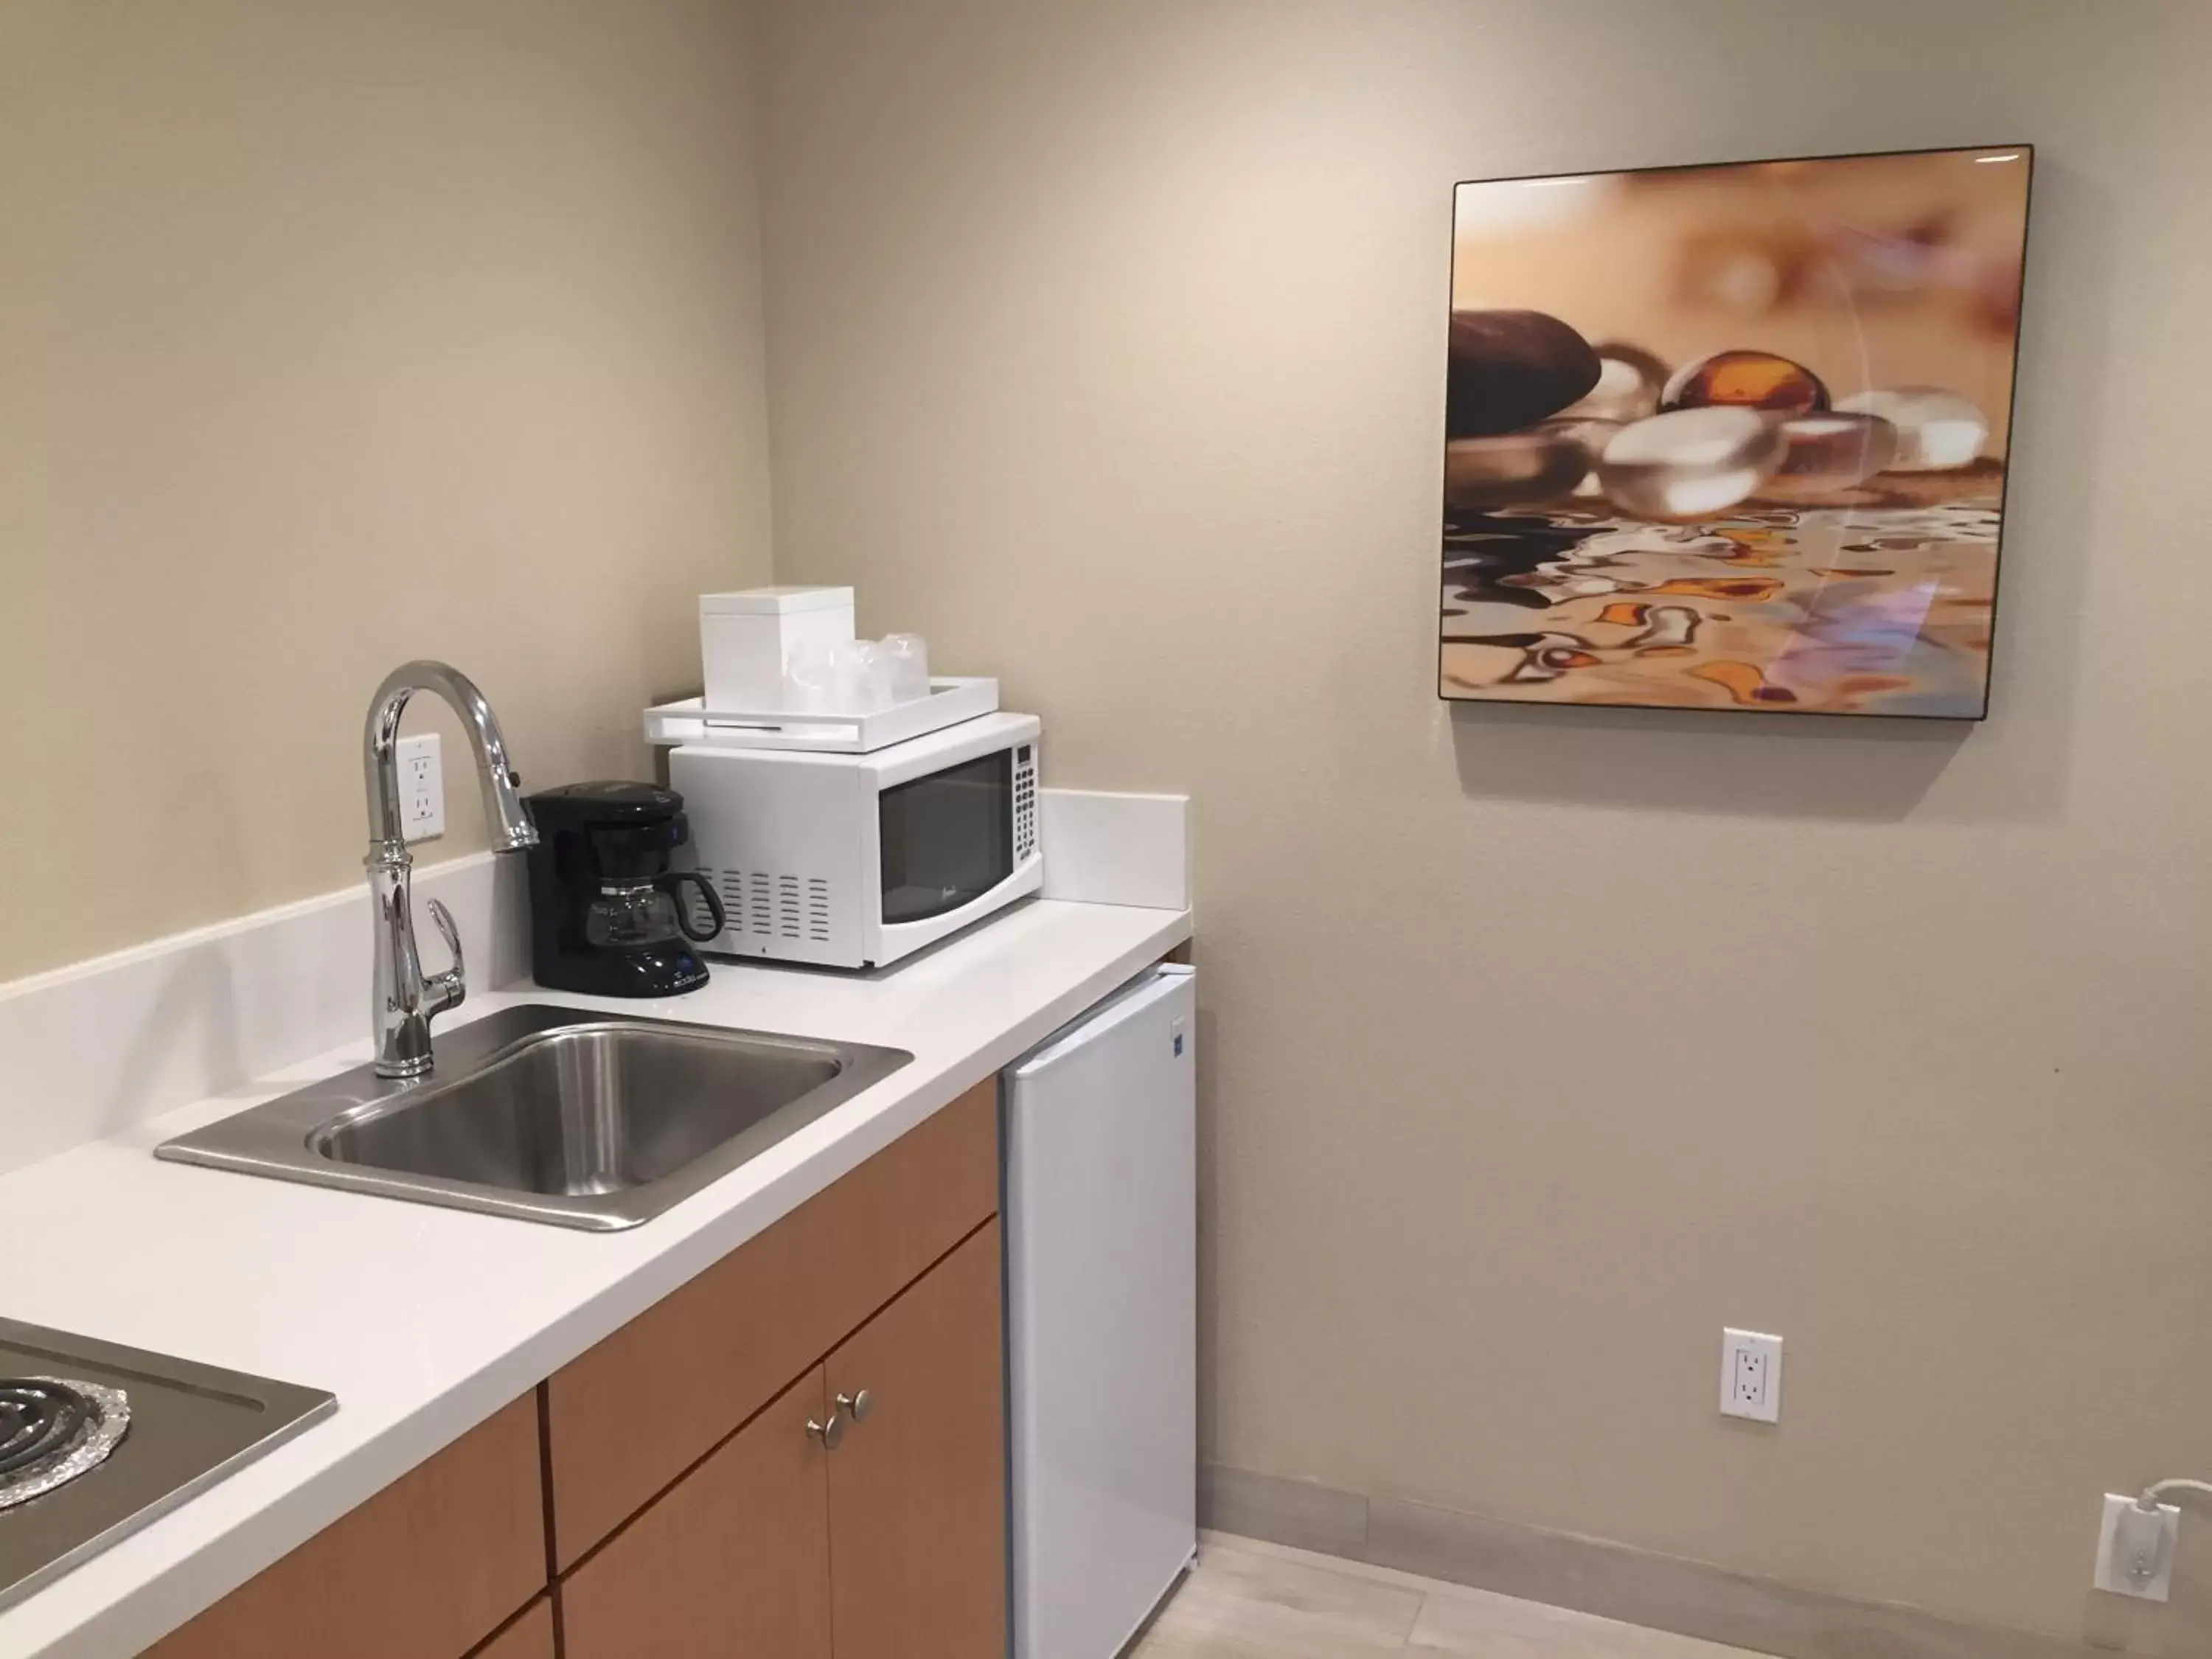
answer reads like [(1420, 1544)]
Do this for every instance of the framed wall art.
[(1734, 436)]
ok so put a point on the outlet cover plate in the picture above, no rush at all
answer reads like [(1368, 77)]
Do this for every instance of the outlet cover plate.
[(1750, 1375), (2111, 1571), (421, 787)]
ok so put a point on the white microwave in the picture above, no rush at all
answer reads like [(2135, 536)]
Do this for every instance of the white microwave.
[(855, 860)]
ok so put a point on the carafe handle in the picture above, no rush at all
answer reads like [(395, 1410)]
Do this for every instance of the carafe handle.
[(669, 882)]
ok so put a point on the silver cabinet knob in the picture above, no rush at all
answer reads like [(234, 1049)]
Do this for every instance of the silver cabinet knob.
[(857, 1406), (828, 1434)]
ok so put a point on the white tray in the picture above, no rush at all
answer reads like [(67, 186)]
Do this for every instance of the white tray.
[(948, 702)]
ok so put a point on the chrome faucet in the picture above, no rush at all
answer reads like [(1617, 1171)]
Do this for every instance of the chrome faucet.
[(406, 1000)]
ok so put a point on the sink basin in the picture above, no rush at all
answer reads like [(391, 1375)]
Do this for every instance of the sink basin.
[(554, 1114)]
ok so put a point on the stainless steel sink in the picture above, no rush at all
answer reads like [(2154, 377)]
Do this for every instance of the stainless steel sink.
[(555, 1114)]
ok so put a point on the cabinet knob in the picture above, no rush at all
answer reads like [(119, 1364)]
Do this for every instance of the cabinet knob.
[(828, 1434), (857, 1406)]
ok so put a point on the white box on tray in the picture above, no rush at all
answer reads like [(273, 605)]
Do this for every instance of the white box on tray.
[(745, 636)]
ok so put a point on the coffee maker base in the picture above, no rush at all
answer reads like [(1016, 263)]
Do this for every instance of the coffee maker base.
[(662, 970)]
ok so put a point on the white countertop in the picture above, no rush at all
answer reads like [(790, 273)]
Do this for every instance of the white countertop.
[(424, 1321)]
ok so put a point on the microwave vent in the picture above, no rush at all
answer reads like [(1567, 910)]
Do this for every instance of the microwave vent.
[(762, 904)]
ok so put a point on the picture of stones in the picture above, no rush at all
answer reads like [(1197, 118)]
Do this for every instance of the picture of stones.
[(1733, 437)]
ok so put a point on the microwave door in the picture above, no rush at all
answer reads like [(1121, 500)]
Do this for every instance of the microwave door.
[(946, 839), (952, 847)]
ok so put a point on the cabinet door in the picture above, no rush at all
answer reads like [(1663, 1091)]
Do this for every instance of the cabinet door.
[(731, 1562), (530, 1636), (917, 1490), (425, 1570)]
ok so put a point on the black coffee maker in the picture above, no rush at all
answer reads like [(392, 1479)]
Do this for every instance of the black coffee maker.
[(606, 916)]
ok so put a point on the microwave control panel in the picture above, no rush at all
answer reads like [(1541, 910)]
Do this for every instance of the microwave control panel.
[(1025, 836)]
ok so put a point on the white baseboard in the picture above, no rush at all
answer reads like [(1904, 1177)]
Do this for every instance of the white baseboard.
[(1612, 1581), (87, 1050)]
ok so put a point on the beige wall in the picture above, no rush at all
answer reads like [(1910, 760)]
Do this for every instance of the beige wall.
[(333, 334), (1106, 350)]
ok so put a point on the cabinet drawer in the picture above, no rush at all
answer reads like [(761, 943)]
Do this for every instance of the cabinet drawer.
[(628, 1417), (733, 1560), (425, 1570)]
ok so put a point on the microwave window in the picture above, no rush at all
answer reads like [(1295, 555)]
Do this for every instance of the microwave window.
[(947, 839)]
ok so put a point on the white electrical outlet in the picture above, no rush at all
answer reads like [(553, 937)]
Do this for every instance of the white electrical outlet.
[(2135, 1549), (1750, 1375), (421, 787)]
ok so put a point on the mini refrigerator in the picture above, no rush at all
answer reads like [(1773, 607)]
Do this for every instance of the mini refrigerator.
[(1102, 1318)]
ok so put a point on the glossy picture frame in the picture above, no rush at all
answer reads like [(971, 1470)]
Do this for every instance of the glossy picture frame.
[(1733, 436)]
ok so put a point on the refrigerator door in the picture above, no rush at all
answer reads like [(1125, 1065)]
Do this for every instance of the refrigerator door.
[(1102, 1247)]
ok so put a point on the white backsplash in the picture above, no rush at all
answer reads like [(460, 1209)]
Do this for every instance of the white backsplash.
[(87, 1050), (1102, 848)]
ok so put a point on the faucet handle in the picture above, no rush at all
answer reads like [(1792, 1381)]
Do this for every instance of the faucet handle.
[(446, 991)]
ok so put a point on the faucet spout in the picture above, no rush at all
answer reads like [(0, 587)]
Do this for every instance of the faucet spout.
[(406, 999), (502, 788)]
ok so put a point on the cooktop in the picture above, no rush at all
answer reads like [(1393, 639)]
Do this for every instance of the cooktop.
[(97, 1439)]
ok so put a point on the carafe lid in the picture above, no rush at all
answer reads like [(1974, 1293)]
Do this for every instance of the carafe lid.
[(606, 803)]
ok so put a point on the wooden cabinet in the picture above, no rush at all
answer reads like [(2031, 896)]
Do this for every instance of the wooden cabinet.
[(530, 1636), (626, 1418), (917, 1489), (426, 1569), (890, 1544), (684, 1496), (733, 1562)]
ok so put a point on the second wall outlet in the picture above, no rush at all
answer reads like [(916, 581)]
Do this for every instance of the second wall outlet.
[(2135, 1550), (1750, 1375), (421, 787)]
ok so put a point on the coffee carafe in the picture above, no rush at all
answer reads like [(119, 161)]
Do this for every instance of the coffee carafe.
[(607, 914)]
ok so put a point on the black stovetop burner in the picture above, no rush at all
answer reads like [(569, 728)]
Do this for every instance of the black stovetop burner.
[(38, 1418)]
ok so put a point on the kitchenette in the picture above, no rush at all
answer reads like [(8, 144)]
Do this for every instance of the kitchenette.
[(993, 829), (672, 1271)]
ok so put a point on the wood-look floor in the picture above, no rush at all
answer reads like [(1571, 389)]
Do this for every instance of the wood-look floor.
[(1249, 1599)]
